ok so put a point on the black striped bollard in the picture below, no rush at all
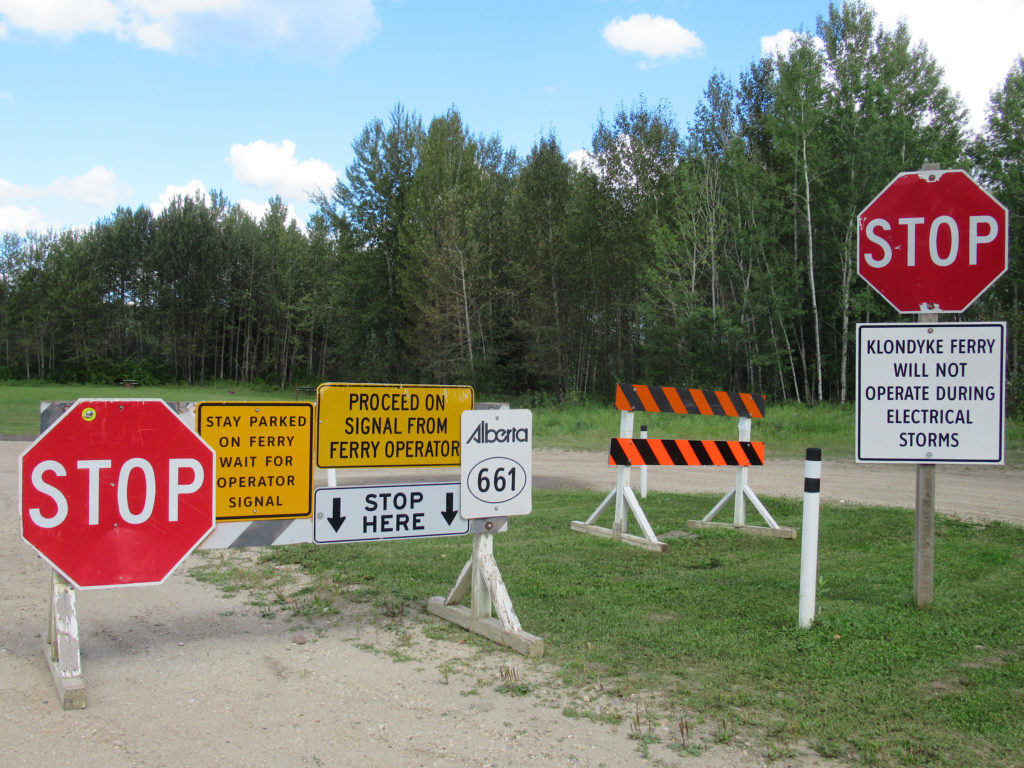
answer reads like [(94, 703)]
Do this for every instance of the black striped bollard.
[(809, 537)]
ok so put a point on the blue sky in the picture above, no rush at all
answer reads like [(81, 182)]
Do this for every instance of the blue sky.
[(129, 102)]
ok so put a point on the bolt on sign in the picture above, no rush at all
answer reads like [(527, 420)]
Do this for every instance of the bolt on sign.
[(264, 458), (932, 241), (389, 425), (117, 492)]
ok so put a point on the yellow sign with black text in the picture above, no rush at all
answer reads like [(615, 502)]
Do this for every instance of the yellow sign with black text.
[(264, 458), (390, 425)]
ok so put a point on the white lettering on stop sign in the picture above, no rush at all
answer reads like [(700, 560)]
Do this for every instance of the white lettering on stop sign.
[(117, 492), (178, 485), (942, 257), (932, 241)]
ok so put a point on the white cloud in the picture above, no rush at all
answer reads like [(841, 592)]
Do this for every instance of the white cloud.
[(9, 191), (778, 43), (171, 192), (656, 37), (274, 167), (976, 43), (259, 210), (60, 18), (305, 27), (98, 187), (21, 220), (582, 158), (781, 41)]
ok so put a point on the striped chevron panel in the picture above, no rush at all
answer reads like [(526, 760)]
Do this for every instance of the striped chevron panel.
[(695, 453), (259, 533), (708, 402)]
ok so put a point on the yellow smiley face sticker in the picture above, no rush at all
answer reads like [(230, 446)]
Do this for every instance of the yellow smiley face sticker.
[(88, 414)]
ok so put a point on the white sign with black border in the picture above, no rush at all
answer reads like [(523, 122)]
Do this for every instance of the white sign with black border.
[(497, 473), (931, 393), (378, 512)]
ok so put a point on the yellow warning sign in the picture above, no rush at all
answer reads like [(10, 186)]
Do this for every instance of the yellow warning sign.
[(389, 425), (264, 458)]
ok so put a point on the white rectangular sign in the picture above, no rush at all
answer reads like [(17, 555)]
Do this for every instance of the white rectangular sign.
[(374, 513), (497, 463), (931, 393)]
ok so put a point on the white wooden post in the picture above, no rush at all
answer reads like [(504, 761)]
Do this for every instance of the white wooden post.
[(625, 501), (481, 602), (643, 469), (621, 523), (739, 510), (481, 577), (62, 644)]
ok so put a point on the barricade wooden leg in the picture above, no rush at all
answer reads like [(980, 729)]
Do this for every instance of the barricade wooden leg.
[(480, 595), (740, 494), (602, 506), (625, 501), (482, 579), (621, 523), (62, 644)]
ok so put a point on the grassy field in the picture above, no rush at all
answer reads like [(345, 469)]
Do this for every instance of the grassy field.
[(19, 401), (707, 631), (786, 430)]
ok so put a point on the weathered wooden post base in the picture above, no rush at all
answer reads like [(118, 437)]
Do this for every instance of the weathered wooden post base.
[(740, 494), (626, 538), (779, 532), (739, 523), (481, 578), (62, 647), (624, 497)]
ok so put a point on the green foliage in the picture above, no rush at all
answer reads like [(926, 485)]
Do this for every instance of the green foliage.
[(19, 400), (722, 256), (999, 156)]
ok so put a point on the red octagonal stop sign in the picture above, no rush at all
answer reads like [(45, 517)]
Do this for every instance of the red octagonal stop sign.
[(932, 241), (117, 492)]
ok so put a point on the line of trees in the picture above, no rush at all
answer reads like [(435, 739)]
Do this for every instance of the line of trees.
[(722, 255)]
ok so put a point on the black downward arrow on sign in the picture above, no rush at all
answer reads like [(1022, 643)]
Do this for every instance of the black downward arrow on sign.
[(336, 519), (449, 512)]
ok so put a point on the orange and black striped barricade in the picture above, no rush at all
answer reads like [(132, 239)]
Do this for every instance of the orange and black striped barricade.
[(626, 452)]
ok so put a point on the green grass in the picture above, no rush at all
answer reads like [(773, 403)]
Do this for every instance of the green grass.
[(787, 430), (19, 401), (708, 630)]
